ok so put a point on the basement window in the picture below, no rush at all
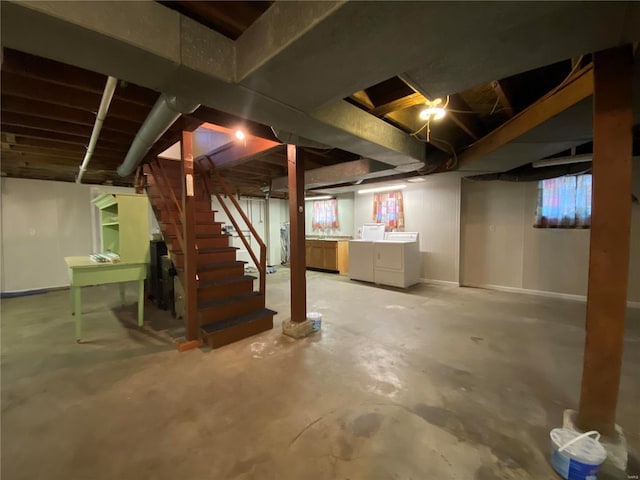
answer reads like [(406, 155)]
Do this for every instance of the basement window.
[(325, 214), (388, 208), (564, 202)]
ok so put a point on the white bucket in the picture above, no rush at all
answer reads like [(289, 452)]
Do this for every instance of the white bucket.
[(316, 320), (576, 456)]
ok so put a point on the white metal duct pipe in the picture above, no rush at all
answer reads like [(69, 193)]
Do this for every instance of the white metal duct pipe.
[(107, 95), (166, 110)]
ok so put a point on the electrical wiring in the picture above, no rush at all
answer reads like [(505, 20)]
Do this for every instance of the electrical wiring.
[(495, 106)]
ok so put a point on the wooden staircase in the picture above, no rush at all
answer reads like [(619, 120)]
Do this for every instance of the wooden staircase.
[(228, 308)]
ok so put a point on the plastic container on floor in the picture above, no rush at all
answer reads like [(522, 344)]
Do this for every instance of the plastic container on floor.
[(576, 456), (316, 320)]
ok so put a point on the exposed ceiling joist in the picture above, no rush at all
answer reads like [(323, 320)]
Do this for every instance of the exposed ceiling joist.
[(57, 73), (25, 87), (11, 119), (398, 104), (552, 104), (74, 139), (468, 121), (504, 97), (36, 107)]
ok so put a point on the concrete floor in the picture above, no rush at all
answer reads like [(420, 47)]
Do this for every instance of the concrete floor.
[(430, 383)]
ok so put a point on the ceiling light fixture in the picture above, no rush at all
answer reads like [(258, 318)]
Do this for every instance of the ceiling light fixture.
[(434, 110), (433, 113), (382, 189), (319, 197), (551, 162), (240, 135)]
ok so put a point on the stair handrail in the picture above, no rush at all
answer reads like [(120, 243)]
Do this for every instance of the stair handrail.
[(166, 181), (261, 264), (166, 203)]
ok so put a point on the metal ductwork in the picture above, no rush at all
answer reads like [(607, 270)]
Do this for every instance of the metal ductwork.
[(164, 113), (289, 138)]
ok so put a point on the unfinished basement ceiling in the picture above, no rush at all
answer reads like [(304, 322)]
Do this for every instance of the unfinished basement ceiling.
[(352, 76)]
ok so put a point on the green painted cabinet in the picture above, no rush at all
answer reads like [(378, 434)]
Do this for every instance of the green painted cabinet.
[(124, 225)]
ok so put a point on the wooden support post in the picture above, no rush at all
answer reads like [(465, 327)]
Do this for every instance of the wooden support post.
[(189, 236), (297, 237), (610, 238)]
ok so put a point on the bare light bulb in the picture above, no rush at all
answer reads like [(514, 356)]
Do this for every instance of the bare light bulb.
[(240, 135), (436, 112)]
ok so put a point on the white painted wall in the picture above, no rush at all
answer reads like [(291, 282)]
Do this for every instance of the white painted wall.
[(42, 222), (501, 248), (278, 217), (432, 209), (345, 218), (254, 208)]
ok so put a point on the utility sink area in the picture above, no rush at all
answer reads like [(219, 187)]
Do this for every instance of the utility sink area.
[(330, 253)]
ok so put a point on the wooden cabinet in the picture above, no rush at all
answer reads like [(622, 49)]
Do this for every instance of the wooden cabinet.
[(330, 255), (124, 225)]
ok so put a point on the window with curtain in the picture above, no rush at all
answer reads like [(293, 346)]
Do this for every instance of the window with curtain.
[(564, 202), (388, 209), (325, 214)]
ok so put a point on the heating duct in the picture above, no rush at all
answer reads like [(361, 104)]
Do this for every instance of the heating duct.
[(164, 113)]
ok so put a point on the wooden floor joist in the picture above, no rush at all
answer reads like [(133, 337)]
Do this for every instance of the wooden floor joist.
[(579, 87)]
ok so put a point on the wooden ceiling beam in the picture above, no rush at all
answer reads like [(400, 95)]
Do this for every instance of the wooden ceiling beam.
[(51, 147), (362, 98), (459, 112), (37, 108), (388, 91), (63, 138), (57, 73), (36, 89), (398, 104), (11, 119), (550, 105), (50, 162)]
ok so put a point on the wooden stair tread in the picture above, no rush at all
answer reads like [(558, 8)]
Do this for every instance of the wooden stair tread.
[(215, 265), (233, 321), (177, 251), (223, 301), (224, 281), (201, 235), (208, 223)]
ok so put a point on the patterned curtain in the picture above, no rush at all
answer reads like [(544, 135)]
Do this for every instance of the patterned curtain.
[(388, 209), (564, 202), (325, 214)]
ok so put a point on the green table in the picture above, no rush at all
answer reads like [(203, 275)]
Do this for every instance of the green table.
[(84, 272)]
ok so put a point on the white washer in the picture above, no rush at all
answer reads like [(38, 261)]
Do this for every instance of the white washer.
[(361, 252)]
